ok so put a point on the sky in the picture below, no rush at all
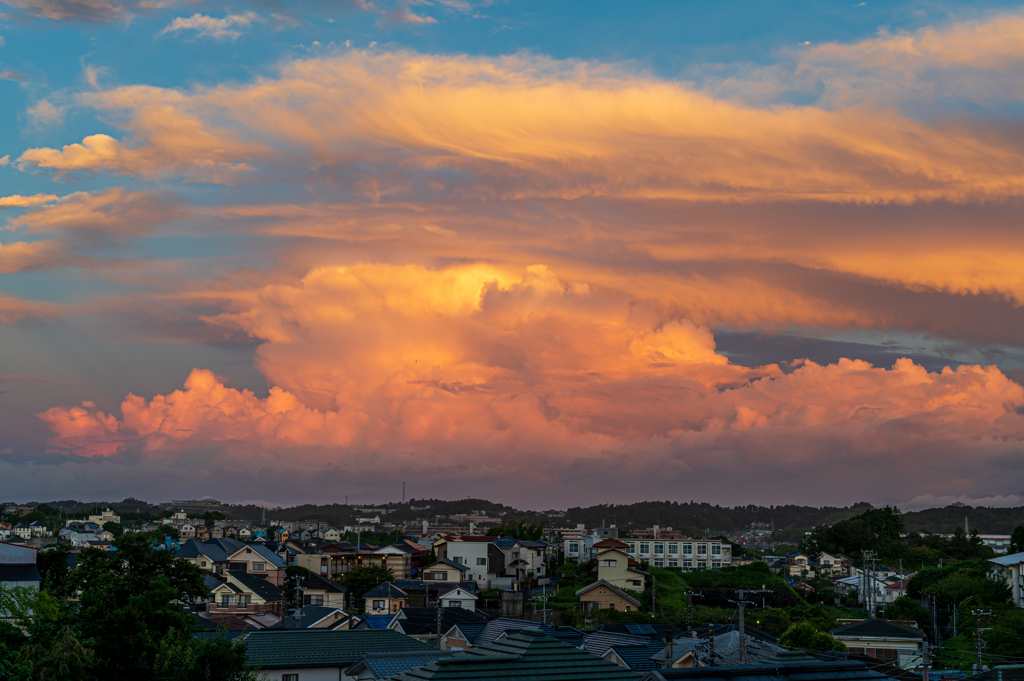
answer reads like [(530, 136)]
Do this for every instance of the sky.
[(542, 253)]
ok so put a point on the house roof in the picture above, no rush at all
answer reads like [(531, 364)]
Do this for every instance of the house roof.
[(527, 654), (496, 627), (421, 586), (385, 590), (449, 563), (19, 572), (419, 621), (261, 587), (376, 621), (295, 648), (384, 665), (274, 559), (306, 617), (470, 630), (318, 583), (822, 671), (638, 658), (614, 589), (456, 592), (598, 642), (878, 628), (1009, 559), (1008, 672)]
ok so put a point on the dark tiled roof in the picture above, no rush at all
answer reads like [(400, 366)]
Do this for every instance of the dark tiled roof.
[(310, 615), (285, 648), (638, 658), (384, 665), (27, 572), (598, 642), (419, 621), (260, 587), (315, 581), (385, 590), (422, 586), (527, 655), (824, 671), (878, 628), (723, 629)]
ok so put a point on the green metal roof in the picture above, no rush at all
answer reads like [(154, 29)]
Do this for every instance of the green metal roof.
[(285, 648), (528, 655)]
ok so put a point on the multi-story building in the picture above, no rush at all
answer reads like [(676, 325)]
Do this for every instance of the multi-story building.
[(688, 554)]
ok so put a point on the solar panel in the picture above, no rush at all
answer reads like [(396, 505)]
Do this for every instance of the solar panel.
[(641, 629)]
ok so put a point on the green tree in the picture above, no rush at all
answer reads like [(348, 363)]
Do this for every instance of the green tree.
[(55, 570), (183, 658), (970, 583), (64, 659), (803, 636), (113, 528), (1017, 540), (521, 529), (906, 608), (12, 666), (362, 578)]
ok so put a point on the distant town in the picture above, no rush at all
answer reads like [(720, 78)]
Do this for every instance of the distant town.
[(397, 590)]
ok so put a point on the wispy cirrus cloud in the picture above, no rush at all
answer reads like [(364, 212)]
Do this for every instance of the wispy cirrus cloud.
[(230, 27)]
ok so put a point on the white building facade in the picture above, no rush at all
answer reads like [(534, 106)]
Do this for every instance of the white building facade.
[(688, 554)]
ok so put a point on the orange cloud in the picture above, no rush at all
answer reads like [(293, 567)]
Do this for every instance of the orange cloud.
[(114, 211), (534, 127), (14, 310)]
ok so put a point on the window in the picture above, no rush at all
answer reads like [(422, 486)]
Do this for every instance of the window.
[(687, 549), (609, 562), (659, 549), (673, 549), (454, 604), (673, 563), (243, 601), (226, 601), (437, 576), (645, 548), (632, 548), (716, 549), (636, 582), (702, 563), (716, 565), (313, 600), (289, 677), (481, 561), (378, 605), (258, 567), (202, 563), (702, 549), (237, 566), (659, 563), (887, 655), (687, 564), (574, 547)]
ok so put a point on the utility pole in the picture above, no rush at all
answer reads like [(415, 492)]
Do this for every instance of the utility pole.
[(925, 662), (654, 591), (403, 493), (711, 647), (743, 637), (978, 614)]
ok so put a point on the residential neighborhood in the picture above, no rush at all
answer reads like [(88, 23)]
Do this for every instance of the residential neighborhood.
[(396, 599)]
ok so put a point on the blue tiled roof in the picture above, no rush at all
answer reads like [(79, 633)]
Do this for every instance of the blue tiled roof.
[(377, 621), (638, 658), (384, 665), (385, 590)]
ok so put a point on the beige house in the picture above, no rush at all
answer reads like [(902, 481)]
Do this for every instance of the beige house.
[(444, 571), (613, 566), (385, 599), (458, 598), (602, 595)]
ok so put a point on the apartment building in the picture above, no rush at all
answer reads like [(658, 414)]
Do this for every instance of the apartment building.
[(688, 554)]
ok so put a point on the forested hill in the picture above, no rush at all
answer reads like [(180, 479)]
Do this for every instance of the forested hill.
[(985, 519)]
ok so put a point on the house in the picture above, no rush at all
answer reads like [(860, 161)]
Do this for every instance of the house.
[(39, 529), (379, 666), (834, 565), (18, 566), (318, 617), (528, 654), (315, 654), (244, 593), (105, 535), (22, 530), (641, 657), (883, 640), (458, 597), (689, 554), (896, 590), (603, 595), (332, 534), (404, 558), (799, 565), (1010, 568), (385, 599), (257, 559), (231, 532), (244, 533), (186, 531), (216, 532), (202, 533), (320, 591), (444, 571), (425, 623), (107, 516), (616, 568)]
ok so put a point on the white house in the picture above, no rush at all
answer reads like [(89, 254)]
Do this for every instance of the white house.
[(458, 598), (1009, 568)]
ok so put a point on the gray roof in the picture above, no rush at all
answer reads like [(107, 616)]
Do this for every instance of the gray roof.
[(19, 572), (257, 585), (383, 665), (385, 590), (598, 642), (823, 671), (1009, 559), (311, 614), (878, 628), (318, 583), (295, 648)]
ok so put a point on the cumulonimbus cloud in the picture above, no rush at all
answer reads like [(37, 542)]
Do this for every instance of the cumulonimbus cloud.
[(414, 368)]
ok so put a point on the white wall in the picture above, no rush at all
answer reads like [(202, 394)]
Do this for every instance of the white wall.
[(310, 674)]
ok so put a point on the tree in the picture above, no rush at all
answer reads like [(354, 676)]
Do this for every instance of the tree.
[(521, 529), (65, 659), (906, 608), (1017, 540), (184, 658), (114, 528), (967, 583), (55, 570), (362, 578), (803, 636)]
